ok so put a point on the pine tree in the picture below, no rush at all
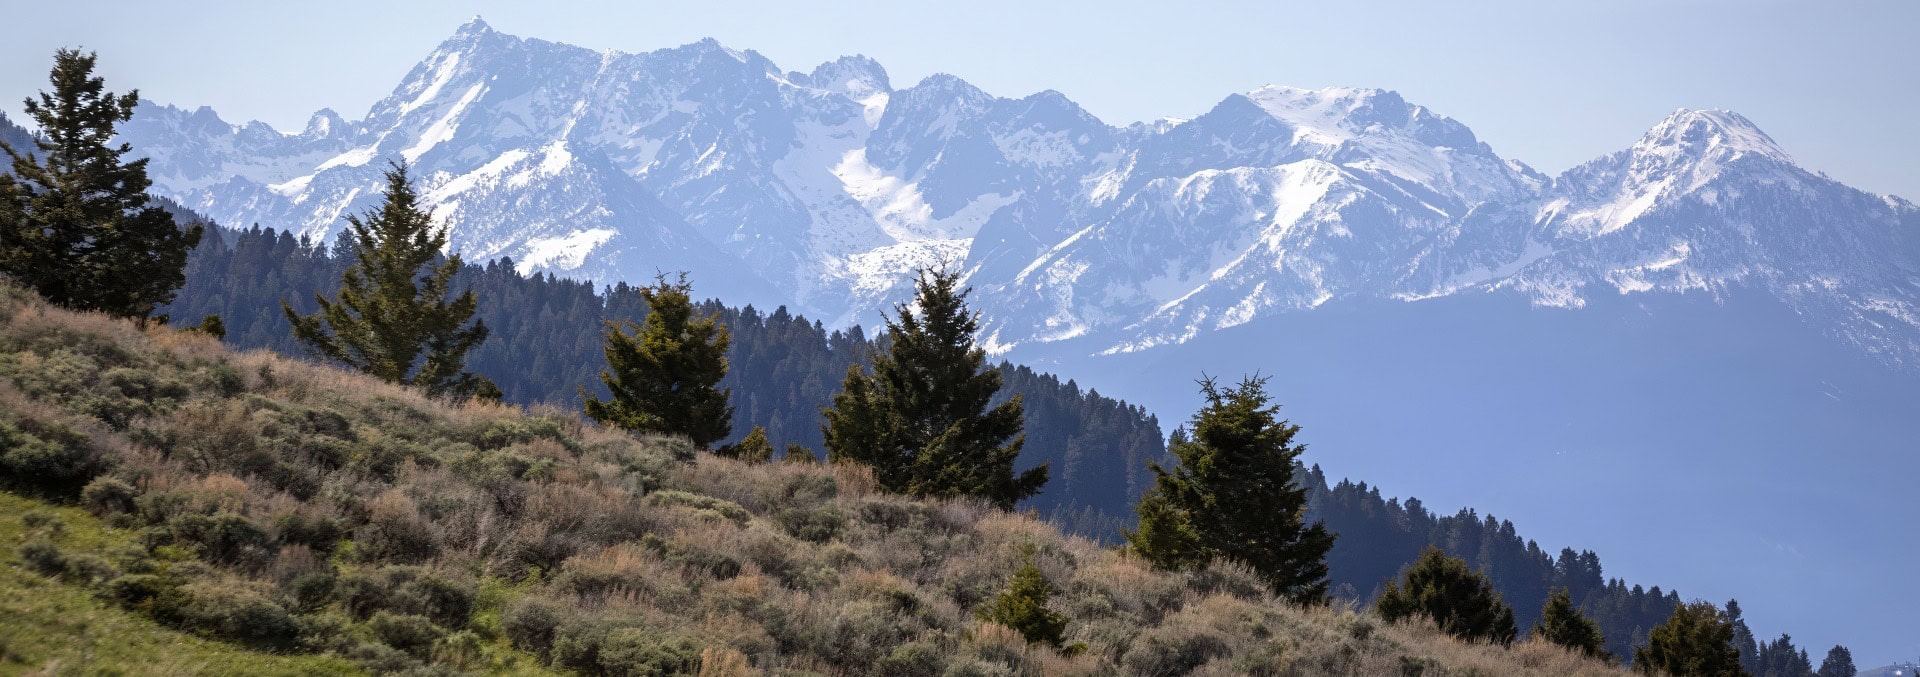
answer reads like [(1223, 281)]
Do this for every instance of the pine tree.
[(1240, 455), (77, 226), (1743, 640), (1564, 625), (754, 448), (1697, 640), (922, 419), (390, 318), (1462, 602), (1023, 606), (1839, 663), (663, 373)]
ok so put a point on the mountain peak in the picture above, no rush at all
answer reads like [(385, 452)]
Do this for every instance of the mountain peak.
[(473, 28), (856, 75), (1699, 133)]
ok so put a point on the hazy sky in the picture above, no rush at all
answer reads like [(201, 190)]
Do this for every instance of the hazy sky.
[(1548, 83)]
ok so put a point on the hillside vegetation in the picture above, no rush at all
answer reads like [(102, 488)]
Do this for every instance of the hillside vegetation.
[(248, 513)]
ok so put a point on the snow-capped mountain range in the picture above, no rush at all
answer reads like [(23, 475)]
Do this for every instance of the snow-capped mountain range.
[(824, 191)]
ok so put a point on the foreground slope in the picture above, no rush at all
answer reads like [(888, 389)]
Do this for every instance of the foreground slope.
[(290, 508)]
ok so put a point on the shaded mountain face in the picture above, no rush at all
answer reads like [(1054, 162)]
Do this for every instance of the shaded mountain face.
[(824, 190)]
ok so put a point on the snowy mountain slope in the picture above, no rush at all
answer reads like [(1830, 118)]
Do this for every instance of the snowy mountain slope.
[(824, 190)]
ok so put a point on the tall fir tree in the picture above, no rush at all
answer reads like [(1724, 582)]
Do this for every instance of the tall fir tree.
[(1564, 625), (1233, 496), (1839, 663), (1697, 640), (77, 225), (663, 373), (392, 317), (1743, 640), (923, 418), (1461, 601)]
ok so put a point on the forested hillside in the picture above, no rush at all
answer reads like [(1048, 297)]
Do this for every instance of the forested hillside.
[(311, 520), (785, 368), (546, 346)]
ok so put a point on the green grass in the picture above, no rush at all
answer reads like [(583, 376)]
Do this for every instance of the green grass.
[(54, 628)]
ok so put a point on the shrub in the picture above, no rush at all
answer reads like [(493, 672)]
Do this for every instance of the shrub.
[(314, 531), (530, 624), (311, 591), (43, 557), (462, 650), (223, 537), (47, 459), (577, 643), (89, 569), (723, 509), (636, 652), (133, 590), (395, 531), (446, 603), (406, 632), (107, 495), (818, 525), (1173, 650), (37, 520), (238, 613), (913, 659)]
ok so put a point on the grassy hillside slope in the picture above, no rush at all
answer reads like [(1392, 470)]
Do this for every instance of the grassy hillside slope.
[(248, 513)]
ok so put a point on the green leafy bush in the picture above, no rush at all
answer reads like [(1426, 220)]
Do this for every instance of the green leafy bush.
[(530, 624), (107, 495), (635, 652), (406, 632), (817, 525)]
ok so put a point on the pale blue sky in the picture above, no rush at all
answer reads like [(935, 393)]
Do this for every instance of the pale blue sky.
[(1548, 83)]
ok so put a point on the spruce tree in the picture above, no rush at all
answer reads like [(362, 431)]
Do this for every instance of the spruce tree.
[(392, 317), (1023, 606), (1697, 640), (1839, 663), (663, 373), (1564, 625), (77, 225), (754, 448), (1461, 601), (922, 419), (1233, 496)]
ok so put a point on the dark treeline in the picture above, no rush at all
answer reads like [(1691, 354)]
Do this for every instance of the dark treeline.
[(1379, 535), (546, 346)]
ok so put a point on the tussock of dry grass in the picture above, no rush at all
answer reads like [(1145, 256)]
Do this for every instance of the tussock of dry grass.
[(581, 548)]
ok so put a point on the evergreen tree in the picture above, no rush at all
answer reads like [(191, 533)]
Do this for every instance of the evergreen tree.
[(1743, 640), (77, 226), (1240, 455), (923, 418), (754, 448), (1839, 663), (1779, 658), (390, 319), (1462, 602), (663, 373), (1564, 625), (1697, 640), (1023, 607)]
